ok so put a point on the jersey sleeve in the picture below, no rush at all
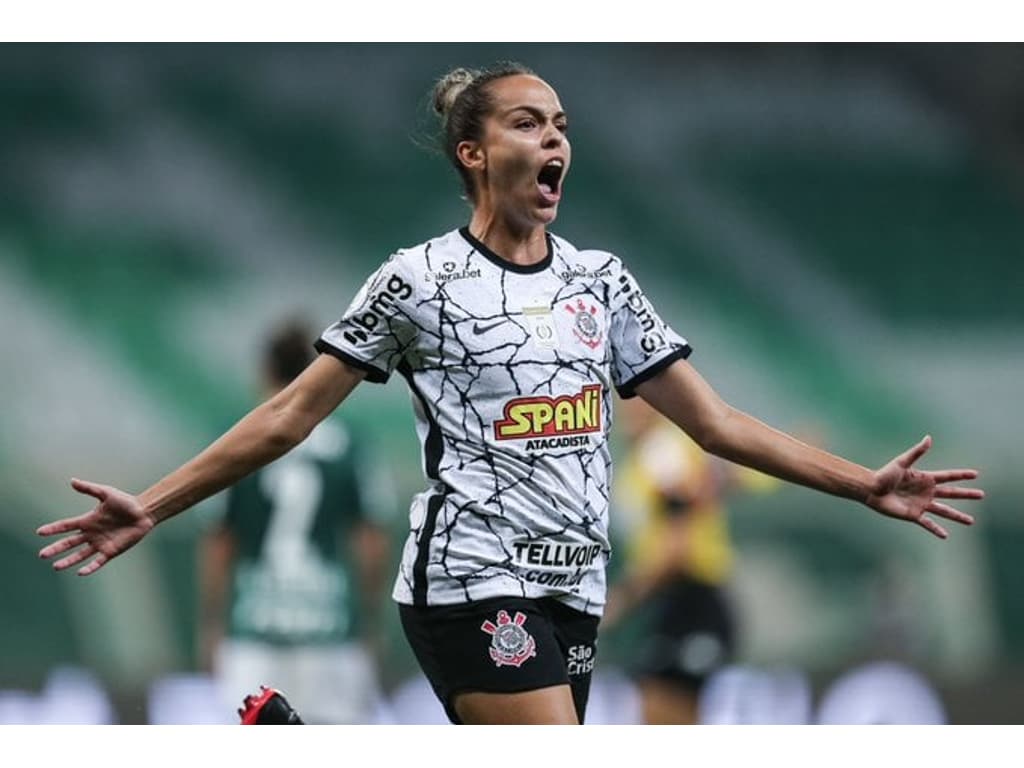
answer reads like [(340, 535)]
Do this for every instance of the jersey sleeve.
[(377, 328), (643, 345)]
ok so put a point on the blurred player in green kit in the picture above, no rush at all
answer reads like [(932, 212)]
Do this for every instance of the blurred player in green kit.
[(295, 565)]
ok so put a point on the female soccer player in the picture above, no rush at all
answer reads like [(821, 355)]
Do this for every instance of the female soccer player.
[(510, 340)]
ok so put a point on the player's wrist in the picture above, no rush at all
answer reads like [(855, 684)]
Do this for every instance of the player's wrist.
[(151, 512)]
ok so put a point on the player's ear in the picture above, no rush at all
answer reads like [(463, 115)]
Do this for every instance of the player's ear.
[(471, 155)]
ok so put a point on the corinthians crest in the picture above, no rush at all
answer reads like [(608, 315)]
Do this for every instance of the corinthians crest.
[(510, 644), (586, 328)]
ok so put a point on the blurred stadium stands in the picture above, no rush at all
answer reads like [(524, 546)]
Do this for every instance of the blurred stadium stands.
[(838, 230)]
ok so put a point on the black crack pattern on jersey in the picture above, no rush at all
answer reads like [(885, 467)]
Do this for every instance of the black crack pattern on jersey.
[(475, 358), (485, 570)]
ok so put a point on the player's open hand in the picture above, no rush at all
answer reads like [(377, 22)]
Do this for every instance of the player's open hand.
[(906, 493), (115, 524)]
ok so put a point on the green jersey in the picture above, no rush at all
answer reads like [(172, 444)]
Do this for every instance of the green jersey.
[(292, 581)]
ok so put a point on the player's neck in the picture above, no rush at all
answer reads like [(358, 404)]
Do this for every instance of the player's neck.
[(518, 245)]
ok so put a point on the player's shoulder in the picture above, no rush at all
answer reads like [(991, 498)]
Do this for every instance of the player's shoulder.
[(416, 257), (570, 261)]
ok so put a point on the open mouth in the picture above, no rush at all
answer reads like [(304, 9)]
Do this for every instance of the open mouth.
[(550, 177)]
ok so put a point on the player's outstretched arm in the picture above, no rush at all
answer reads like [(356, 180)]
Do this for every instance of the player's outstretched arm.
[(119, 520), (897, 489)]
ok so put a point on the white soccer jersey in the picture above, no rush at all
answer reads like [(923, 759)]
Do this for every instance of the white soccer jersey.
[(511, 369)]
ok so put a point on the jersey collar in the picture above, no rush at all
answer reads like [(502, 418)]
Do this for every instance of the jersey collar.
[(491, 256)]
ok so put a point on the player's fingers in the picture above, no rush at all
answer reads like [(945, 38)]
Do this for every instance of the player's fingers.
[(958, 492), (95, 565), (61, 526), (949, 475), (75, 557), (932, 527), (908, 457), (92, 489), (62, 546), (948, 512)]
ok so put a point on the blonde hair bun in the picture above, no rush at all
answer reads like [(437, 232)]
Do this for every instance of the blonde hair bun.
[(448, 88)]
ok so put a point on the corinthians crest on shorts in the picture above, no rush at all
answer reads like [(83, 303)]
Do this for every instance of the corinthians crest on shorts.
[(511, 645)]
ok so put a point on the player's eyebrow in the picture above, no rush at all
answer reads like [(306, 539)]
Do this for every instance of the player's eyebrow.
[(535, 112)]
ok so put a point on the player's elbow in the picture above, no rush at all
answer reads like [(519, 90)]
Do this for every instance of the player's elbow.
[(711, 432), (705, 436), (287, 427), (293, 431), (284, 436)]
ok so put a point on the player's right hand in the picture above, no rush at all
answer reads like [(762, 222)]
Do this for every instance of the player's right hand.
[(114, 525)]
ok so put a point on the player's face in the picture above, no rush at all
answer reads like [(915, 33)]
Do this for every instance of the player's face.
[(525, 151)]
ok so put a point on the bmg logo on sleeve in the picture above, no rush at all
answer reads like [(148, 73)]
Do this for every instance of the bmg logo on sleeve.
[(377, 307)]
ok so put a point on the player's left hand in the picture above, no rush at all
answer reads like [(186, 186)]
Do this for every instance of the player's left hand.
[(905, 493)]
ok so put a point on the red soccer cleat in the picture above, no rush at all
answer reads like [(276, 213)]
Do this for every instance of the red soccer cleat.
[(269, 707)]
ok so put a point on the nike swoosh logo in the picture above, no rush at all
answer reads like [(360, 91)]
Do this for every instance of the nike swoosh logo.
[(478, 329)]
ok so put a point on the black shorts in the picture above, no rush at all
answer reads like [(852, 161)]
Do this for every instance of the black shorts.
[(502, 645), (689, 634)]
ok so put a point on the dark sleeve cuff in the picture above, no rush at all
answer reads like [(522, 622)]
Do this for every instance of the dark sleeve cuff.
[(373, 373), (628, 389)]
